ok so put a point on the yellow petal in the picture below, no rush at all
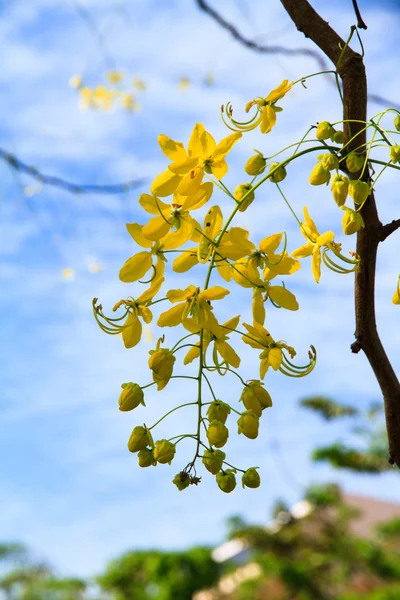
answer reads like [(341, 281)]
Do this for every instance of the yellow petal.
[(282, 266), (280, 91), (183, 167), (180, 295), (258, 308), (173, 150), (190, 183), (303, 251), (308, 227), (316, 264), (228, 354), (269, 244), (268, 119), (132, 331), (149, 204), (205, 145), (156, 229), (396, 297), (264, 366), (152, 291), (198, 200), (160, 268), (275, 358), (225, 146), (282, 297), (145, 313), (135, 267), (232, 323), (214, 293), (135, 230), (165, 183), (224, 270), (219, 169), (185, 261), (196, 235), (213, 222), (192, 354), (175, 239), (191, 325), (172, 317), (195, 145), (325, 238)]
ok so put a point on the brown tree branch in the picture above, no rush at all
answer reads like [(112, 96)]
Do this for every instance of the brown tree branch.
[(74, 188), (360, 22), (388, 229), (352, 73), (263, 49)]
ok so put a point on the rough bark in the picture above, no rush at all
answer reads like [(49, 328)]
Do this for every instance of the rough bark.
[(351, 70)]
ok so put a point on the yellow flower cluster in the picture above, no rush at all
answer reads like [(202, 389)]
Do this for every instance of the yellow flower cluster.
[(105, 98), (223, 250)]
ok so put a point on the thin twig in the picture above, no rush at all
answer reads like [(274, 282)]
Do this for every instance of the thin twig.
[(360, 23)]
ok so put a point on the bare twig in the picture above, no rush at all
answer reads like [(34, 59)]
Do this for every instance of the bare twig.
[(74, 188), (264, 49), (352, 72), (360, 22), (388, 229)]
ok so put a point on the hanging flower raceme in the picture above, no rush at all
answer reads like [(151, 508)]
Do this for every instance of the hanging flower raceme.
[(318, 245), (274, 353), (185, 173), (129, 324), (265, 116)]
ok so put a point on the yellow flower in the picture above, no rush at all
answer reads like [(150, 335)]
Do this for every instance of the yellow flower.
[(395, 154), (324, 131), (256, 164), (217, 434), (248, 424), (266, 107), (340, 188), (314, 244), (279, 173), (352, 221), (221, 346), (193, 302), (319, 175), (255, 397), (131, 396), (213, 459), (218, 411), (146, 458), (114, 76), (128, 101), (75, 81), (244, 189), (359, 190), (161, 362), (226, 480), (185, 174), (139, 439), (251, 478), (137, 266), (354, 162), (396, 295), (164, 451), (271, 355)]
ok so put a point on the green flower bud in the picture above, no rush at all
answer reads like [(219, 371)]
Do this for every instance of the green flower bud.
[(354, 162), (130, 397), (397, 122), (340, 188), (328, 161), (217, 434), (212, 460), (164, 451), (248, 424), (218, 411), (226, 481), (251, 478), (255, 397), (181, 480), (359, 190), (279, 174), (319, 175), (161, 362), (338, 138), (324, 131), (395, 154), (139, 439), (352, 221), (146, 458), (255, 165), (240, 191)]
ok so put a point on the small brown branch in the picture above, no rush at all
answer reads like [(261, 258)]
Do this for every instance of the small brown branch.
[(74, 188), (352, 73), (360, 22), (388, 229)]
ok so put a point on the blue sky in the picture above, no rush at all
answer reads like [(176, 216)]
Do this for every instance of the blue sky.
[(69, 487)]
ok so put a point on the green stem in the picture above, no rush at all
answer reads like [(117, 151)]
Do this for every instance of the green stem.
[(169, 412)]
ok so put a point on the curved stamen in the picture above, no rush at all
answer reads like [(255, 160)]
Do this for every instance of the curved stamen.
[(152, 277), (282, 255)]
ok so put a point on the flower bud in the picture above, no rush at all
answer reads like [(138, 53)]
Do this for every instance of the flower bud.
[(212, 460), (395, 154), (218, 411), (181, 480), (130, 397), (324, 131), (340, 188), (255, 165), (226, 481), (352, 221), (397, 122), (328, 161), (359, 190), (240, 191), (161, 362), (354, 162), (146, 458), (251, 478), (255, 397), (139, 439), (248, 424), (164, 451), (338, 138), (217, 434), (279, 174), (319, 175)]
